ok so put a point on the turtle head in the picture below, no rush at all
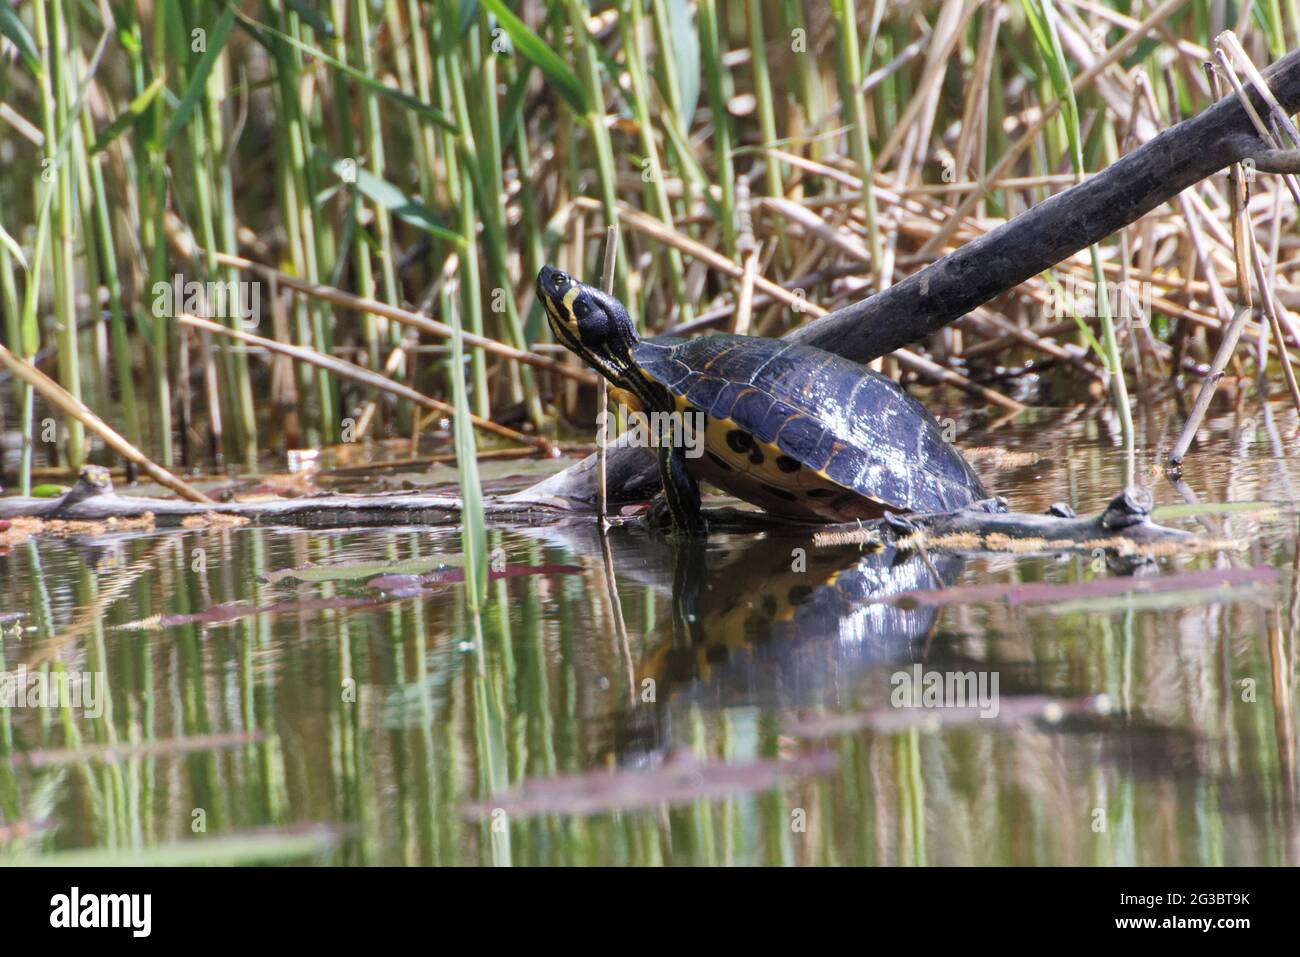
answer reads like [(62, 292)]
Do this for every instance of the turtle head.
[(592, 323)]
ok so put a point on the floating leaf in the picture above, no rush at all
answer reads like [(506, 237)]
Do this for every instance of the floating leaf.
[(235, 611), (412, 584), (1189, 510), (257, 845), (355, 570)]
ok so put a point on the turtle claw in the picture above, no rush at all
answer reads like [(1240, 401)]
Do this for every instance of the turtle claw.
[(1061, 510), (901, 524)]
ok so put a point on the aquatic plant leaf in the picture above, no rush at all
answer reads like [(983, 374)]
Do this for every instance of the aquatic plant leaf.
[(411, 583), (686, 53), (551, 64), (398, 203), (413, 103), (124, 120), (1192, 509), (256, 845), (14, 28), (351, 571), (11, 244), (234, 611)]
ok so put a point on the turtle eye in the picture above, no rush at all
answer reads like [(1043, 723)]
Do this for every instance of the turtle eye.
[(562, 279)]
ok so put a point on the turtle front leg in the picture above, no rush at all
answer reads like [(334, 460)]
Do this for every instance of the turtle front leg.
[(681, 496)]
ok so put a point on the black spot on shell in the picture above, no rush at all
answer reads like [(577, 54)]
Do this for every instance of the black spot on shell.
[(779, 493), (719, 461), (821, 492), (739, 441), (756, 455), (787, 464), (769, 604)]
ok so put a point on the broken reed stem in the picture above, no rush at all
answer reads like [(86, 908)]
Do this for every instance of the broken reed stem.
[(1202, 404), (74, 408), (747, 249), (1275, 323), (1046, 116), (1265, 134)]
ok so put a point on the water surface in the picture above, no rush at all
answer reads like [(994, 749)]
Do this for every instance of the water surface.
[(346, 724)]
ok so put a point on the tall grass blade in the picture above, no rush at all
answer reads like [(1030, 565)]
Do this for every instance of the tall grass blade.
[(543, 57), (215, 41)]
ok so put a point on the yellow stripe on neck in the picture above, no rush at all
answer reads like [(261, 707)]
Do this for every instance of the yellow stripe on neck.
[(571, 318)]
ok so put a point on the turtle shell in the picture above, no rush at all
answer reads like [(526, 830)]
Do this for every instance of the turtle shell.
[(803, 432)]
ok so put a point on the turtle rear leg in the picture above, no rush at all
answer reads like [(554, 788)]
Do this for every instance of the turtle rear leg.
[(680, 503)]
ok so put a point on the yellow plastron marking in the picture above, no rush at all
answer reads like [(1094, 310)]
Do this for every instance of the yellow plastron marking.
[(730, 624), (752, 470)]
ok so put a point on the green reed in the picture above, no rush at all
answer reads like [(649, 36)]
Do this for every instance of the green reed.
[(1042, 20), (471, 130)]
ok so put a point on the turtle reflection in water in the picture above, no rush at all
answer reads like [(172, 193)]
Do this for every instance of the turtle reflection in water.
[(780, 624)]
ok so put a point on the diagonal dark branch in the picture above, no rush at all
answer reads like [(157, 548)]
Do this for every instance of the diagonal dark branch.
[(983, 269), (1055, 229)]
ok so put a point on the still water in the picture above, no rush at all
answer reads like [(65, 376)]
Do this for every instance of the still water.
[(734, 704)]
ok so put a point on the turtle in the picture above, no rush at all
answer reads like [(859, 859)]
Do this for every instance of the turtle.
[(798, 431)]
